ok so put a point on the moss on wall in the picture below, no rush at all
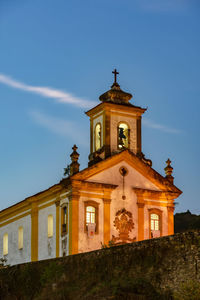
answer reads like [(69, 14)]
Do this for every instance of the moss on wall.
[(164, 268)]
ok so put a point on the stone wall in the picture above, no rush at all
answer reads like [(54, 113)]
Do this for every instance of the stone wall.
[(151, 269)]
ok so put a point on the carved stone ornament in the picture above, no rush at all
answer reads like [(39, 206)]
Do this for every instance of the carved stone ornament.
[(124, 224)]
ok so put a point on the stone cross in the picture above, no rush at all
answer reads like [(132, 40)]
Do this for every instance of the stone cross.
[(115, 75)]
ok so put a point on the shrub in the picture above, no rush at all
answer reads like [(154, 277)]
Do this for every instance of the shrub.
[(189, 290)]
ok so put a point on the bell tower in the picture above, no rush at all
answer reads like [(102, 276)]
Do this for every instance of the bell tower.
[(115, 124)]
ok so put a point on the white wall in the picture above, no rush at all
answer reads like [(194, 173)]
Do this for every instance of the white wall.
[(46, 246), (90, 243), (15, 255), (133, 179), (164, 220)]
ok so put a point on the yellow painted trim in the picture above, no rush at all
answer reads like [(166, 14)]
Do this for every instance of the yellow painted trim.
[(156, 203), (112, 106), (24, 205), (46, 205), (125, 115), (51, 196), (106, 223), (14, 210), (57, 228), (97, 115), (104, 130), (34, 232), (170, 210), (140, 221), (91, 195), (107, 134), (156, 195), (73, 224), (15, 219), (138, 135), (91, 135), (47, 194), (91, 186)]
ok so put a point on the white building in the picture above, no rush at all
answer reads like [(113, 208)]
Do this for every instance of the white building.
[(118, 199)]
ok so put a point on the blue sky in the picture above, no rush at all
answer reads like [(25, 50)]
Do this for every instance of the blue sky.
[(57, 57)]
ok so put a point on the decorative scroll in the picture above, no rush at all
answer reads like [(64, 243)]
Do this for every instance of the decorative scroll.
[(124, 224)]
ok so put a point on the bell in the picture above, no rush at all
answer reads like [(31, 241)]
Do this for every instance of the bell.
[(121, 133), (121, 137)]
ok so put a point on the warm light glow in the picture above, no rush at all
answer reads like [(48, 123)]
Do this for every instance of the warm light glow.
[(5, 244), (50, 226), (154, 222), (64, 219), (20, 237), (123, 136), (90, 215), (97, 136)]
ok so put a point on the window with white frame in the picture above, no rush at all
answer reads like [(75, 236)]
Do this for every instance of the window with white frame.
[(155, 224), (90, 215)]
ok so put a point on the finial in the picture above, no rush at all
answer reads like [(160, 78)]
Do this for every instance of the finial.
[(115, 94), (115, 75), (168, 171), (74, 166), (74, 148)]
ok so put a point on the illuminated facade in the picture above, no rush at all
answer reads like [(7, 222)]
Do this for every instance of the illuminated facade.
[(118, 199)]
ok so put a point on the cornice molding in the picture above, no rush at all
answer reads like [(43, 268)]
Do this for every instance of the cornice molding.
[(118, 107), (155, 195)]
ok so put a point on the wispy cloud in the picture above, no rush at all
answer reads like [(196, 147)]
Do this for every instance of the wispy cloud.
[(64, 128), (48, 92), (163, 5), (151, 124)]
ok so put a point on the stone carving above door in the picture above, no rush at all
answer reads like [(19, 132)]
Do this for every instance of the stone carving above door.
[(124, 224)]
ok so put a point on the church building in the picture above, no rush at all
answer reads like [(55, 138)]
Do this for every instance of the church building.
[(119, 198)]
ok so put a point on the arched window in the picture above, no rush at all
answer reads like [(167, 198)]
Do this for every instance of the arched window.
[(91, 215), (155, 220), (97, 136), (50, 226), (20, 237), (123, 136), (5, 244)]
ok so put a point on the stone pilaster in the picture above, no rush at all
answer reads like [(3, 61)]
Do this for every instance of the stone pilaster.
[(74, 222), (34, 232), (140, 205), (57, 203), (170, 210)]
